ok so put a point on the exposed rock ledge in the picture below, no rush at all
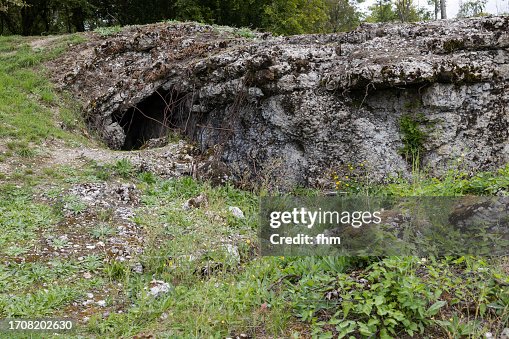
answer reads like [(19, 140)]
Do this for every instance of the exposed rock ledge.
[(288, 109)]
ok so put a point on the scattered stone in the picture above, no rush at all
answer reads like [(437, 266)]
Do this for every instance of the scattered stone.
[(137, 268), (126, 193), (237, 212), (125, 213), (87, 275), (233, 251), (196, 202), (101, 303), (87, 302), (159, 287)]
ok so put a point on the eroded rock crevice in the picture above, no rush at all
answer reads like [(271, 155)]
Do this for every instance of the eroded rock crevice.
[(292, 109), (152, 119)]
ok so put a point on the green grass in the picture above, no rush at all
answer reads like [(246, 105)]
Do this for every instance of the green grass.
[(26, 96), (215, 293), (108, 31), (21, 218)]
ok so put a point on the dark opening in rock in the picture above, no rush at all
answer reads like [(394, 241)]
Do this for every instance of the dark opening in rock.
[(149, 122)]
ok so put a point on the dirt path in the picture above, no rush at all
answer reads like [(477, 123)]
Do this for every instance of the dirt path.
[(173, 160)]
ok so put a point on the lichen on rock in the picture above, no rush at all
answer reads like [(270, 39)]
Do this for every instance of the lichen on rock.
[(288, 109)]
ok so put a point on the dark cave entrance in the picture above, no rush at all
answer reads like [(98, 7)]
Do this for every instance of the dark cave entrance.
[(153, 118)]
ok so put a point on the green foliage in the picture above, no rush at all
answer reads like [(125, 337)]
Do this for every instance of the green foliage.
[(343, 15), (38, 303), (147, 177), (454, 182), (216, 293), (20, 219), (351, 178), (399, 10), (390, 297), (5, 5), (382, 11), (278, 16), (117, 270), (102, 231), (92, 263), (74, 204), (124, 168), (295, 16), (413, 137), (108, 31), (245, 33), (472, 8)]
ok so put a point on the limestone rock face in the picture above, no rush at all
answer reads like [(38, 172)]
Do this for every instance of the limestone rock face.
[(289, 110)]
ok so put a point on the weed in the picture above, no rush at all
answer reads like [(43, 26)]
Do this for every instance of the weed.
[(352, 179), (102, 231), (74, 204), (105, 214), (26, 152), (59, 243), (245, 32), (92, 262), (16, 250), (117, 270), (108, 31), (124, 168), (390, 296), (413, 137), (147, 177)]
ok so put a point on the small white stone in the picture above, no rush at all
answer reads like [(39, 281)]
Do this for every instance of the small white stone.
[(237, 212), (233, 251), (159, 287)]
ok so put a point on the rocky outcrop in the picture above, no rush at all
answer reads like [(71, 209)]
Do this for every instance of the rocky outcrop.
[(290, 109)]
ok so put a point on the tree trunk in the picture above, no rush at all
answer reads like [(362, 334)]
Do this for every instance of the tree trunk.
[(27, 20), (443, 13), (78, 19)]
